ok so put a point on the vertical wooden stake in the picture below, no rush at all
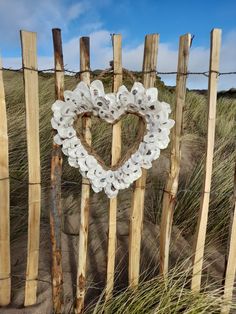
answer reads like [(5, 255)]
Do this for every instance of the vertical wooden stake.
[(56, 172), (137, 207), (5, 264), (204, 206), (85, 193), (116, 153), (171, 187), (29, 60), (231, 264)]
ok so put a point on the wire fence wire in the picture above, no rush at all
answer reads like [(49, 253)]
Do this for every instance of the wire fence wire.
[(66, 183), (110, 70)]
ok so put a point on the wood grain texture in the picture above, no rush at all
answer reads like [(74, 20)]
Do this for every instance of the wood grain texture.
[(169, 197), (5, 263), (205, 198), (56, 173), (29, 60), (231, 263), (85, 193), (115, 157), (137, 207)]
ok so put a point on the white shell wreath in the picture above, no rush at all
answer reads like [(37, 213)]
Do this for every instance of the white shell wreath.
[(110, 107)]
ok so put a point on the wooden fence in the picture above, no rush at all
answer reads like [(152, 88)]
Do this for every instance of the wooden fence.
[(30, 72)]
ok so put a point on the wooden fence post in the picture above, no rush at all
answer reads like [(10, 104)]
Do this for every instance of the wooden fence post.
[(85, 193), (171, 188), (116, 153), (137, 207), (5, 263), (29, 60), (231, 263), (56, 172), (204, 206)]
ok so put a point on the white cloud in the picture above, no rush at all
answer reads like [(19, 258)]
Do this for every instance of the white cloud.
[(75, 10), (31, 15), (101, 54), (41, 16), (133, 57), (38, 16), (198, 62), (101, 49), (91, 27)]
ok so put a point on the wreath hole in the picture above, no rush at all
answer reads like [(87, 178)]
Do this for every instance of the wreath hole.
[(133, 129)]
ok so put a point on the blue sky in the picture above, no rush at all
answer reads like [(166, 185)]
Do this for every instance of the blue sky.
[(133, 19)]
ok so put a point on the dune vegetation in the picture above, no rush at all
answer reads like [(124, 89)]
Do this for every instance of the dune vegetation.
[(153, 295)]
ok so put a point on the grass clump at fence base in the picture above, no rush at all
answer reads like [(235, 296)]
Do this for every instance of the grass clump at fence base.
[(158, 296)]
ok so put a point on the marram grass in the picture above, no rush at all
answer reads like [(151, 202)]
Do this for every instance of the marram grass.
[(155, 296), (158, 296)]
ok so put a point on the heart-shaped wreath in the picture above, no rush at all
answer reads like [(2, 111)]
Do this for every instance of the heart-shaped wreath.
[(110, 107)]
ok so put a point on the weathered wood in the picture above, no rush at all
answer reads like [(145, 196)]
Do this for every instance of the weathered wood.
[(204, 206), (29, 60), (5, 264), (169, 197), (115, 156), (56, 172), (85, 193), (231, 263), (137, 207)]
